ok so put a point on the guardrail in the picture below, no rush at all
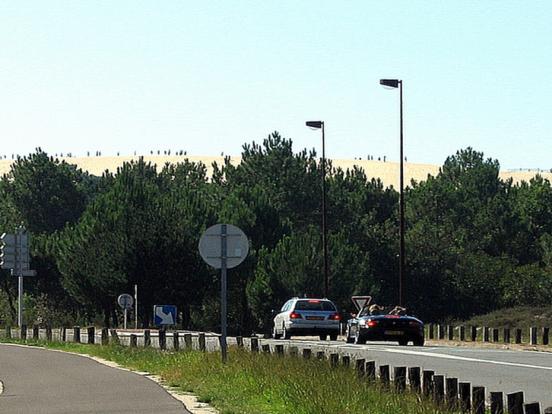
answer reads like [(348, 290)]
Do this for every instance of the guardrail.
[(446, 392), (532, 336)]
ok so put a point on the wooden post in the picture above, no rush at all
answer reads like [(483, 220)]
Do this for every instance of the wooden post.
[(452, 393), (533, 335), (133, 340), (346, 360), (8, 332), (91, 335), (265, 348), (473, 333), (188, 341), (254, 344), (147, 338), (115, 336), (462, 333), (431, 331), (370, 370), (451, 333), (514, 402), (495, 334), (105, 336), (35, 332), (320, 355), (440, 332), (48, 333), (239, 341), (176, 341), (506, 336), (532, 408), (414, 379), (384, 375), (63, 334), (23, 332), (76, 334), (427, 382), (485, 334), (334, 358), (399, 378), (162, 339), (518, 336), (202, 347), (360, 367), (465, 401), (280, 350), (497, 403), (478, 400), (545, 336), (438, 389)]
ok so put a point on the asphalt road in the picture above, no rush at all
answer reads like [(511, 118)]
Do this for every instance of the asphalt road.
[(43, 382), (496, 369)]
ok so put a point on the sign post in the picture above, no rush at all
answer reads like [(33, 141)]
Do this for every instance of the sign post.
[(15, 256), (223, 246), (125, 301)]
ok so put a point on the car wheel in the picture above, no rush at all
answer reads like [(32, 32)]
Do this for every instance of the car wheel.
[(359, 340), (323, 337), (419, 341), (333, 337), (403, 342), (348, 338), (275, 333), (285, 333)]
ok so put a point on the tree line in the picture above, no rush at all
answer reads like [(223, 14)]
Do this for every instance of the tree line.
[(474, 242)]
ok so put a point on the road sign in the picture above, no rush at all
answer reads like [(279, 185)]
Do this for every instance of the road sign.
[(361, 301), (210, 246), (164, 315), (125, 301), (8, 251)]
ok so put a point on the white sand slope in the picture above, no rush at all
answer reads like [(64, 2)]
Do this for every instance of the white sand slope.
[(388, 172)]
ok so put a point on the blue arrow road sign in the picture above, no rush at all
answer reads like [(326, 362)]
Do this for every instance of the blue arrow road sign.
[(164, 315)]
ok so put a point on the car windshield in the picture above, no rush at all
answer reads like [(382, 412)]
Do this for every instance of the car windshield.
[(314, 305)]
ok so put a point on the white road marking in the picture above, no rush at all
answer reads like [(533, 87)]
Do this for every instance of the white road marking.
[(1, 387), (454, 357)]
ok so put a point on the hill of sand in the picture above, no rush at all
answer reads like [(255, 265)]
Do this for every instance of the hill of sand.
[(388, 172)]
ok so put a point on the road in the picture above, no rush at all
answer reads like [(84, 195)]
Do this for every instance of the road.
[(496, 369), (44, 381)]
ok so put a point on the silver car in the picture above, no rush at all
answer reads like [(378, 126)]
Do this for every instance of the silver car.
[(301, 316)]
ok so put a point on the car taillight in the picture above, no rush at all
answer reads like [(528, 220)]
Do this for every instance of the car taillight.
[(294, 315), (372, 324), (335, 317)]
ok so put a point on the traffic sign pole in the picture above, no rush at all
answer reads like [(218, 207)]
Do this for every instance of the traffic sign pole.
[(223, 322), (125, 320)]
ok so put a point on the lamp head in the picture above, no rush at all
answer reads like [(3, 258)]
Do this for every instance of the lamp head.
[(315, 124), (392, 83)]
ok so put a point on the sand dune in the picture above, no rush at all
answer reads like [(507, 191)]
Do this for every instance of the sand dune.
[(388, 172)]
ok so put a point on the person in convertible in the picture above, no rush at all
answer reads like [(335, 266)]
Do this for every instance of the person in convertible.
[(398, 310)]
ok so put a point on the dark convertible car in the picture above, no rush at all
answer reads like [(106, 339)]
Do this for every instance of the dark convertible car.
[(380, 326)]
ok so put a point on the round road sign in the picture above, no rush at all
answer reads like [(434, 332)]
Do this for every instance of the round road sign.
[(125, 301), (211, 245)]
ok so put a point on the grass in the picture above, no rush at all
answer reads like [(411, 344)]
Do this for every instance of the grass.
[(522, 317), (260, 383)]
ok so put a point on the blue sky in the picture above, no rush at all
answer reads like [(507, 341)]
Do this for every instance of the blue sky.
[(207, 77)]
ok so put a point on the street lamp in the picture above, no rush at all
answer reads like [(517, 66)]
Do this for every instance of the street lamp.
[(397, 83), (320, 125)]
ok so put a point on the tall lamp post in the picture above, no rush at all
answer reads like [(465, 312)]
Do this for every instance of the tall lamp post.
[(397, 83), (320, 125)]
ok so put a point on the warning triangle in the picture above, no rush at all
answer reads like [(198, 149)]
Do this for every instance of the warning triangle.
[(361, 301)]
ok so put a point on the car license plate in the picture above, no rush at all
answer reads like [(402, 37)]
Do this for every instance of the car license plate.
[(394, 333), (314, 318)]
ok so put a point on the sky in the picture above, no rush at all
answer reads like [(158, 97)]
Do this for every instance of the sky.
[(208, 76)]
